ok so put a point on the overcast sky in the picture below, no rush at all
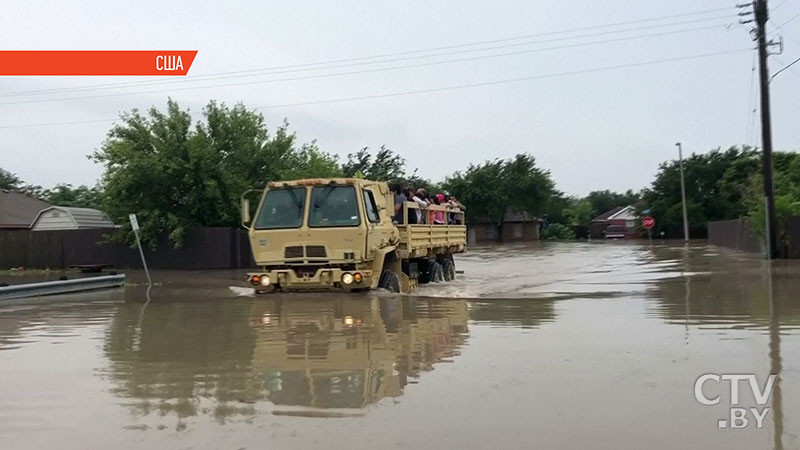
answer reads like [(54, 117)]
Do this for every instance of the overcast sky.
[(606, 129)]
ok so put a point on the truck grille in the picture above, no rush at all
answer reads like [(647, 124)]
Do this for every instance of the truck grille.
[(316, 251), (294, 252)]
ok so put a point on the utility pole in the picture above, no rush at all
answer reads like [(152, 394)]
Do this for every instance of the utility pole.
[(761, 16), (683, 195)]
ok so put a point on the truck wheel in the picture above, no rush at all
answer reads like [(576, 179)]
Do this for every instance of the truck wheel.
[(389, 281), (449, 269), (435, 273)]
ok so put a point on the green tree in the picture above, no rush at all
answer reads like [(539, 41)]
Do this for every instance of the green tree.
[(82, 196), (494, 188), (557, 232), (175, 175), (10, 181), (386, 165), (786, 179), (715, 184), (578, 212)]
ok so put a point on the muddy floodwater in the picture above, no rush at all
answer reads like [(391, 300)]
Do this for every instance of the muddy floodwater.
[(553, 346)]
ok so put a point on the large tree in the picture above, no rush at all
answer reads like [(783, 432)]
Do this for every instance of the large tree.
[(177, 175), (715, 185), (10, 181), (81, 196), (786, 190), (494, 188), (386, 165)]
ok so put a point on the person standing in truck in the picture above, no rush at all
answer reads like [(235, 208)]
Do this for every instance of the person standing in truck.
[(399, 199), (419, 198), (438, 216)]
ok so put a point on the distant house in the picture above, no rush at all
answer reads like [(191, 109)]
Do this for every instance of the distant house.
[(17, 211), (516, 227), (618, 223), (69, 218)]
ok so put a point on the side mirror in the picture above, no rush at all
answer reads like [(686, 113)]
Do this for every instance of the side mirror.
[(245, 211)]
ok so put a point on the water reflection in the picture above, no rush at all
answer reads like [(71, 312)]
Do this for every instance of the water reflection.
[(222, 358), (616, 328), (743, 294)]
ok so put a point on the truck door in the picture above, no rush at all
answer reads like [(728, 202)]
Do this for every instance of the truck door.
[(378, 217)]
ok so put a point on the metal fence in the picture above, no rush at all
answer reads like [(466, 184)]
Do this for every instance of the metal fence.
[(203, 248), (735, 233)]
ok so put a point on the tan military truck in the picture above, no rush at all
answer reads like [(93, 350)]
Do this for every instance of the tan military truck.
[(340, 234)]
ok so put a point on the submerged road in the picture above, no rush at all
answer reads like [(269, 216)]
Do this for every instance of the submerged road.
[(545, 346)]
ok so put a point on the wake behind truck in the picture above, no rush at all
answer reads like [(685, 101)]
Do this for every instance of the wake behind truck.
[(339, 234)]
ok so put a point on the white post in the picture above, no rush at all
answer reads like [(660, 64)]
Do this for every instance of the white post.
[(135, 227), (683, 195)]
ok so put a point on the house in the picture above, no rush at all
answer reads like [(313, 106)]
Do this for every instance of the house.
[(69, 218), (516, 227), (618, 223), (17, 211)]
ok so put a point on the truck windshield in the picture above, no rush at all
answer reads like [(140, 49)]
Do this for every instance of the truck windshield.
[(333, 206), (282, 208)]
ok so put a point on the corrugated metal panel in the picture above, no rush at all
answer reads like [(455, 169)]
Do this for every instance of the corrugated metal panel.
[(54, 219)]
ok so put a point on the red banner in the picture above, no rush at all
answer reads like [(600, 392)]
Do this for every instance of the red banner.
[(95, 62)]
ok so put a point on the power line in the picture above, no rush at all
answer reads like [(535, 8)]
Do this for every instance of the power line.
[(789, 21), (441, 89), (308, 66), (785, 66), (381, 69), (751, 109), (779, 5), (506, 81)]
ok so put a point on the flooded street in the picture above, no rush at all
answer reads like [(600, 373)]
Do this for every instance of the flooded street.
[(593, 345)]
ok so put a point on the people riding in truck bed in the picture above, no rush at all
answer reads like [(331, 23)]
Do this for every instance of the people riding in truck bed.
[(423, 215)]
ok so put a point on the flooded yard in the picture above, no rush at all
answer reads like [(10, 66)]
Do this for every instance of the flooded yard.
[(594, 345)]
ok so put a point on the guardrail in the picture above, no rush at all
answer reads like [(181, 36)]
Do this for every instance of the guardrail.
[(60, 287)]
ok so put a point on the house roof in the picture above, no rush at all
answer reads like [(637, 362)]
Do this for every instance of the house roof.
[(606, 215), (83, 217), (18, 210), (628, 212)]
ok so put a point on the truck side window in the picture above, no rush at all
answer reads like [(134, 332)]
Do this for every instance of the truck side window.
[(369, 206)]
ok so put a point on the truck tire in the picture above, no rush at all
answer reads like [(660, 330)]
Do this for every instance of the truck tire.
[(389, 281), (449, 269), (435, 274)]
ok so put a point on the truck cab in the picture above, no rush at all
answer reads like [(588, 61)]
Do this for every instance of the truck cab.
[(339, 234)]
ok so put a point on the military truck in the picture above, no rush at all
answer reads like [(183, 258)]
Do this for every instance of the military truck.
[(341, 234)]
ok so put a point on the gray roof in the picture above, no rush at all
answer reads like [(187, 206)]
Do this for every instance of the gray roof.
[(83, 217), (18, 210), (603, 217)]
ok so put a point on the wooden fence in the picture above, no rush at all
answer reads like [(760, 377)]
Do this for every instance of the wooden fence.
[(203, 248)]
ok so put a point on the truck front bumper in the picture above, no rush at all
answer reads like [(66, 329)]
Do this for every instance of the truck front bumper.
[(324, 279)]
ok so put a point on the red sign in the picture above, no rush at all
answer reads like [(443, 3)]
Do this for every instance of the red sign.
[(648, 222), (96, 62)]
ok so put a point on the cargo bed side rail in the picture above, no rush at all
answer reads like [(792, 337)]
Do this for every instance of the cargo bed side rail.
[(429, 237)]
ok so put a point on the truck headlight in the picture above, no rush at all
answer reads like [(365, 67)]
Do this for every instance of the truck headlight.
[(347, 278), (264, 280)]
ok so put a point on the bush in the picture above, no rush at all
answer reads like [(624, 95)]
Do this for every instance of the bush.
[(557, 232)]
